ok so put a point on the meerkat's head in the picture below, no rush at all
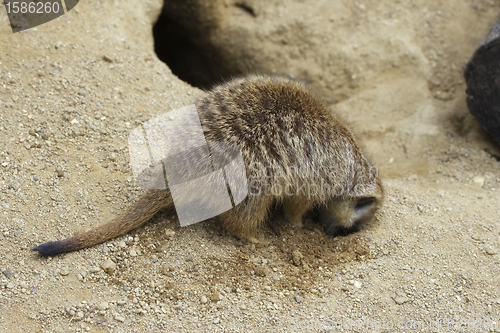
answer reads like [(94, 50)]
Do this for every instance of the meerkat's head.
[(342, 216)]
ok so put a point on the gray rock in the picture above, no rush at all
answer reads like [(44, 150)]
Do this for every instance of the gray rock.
[(483, 88), (8, 273)]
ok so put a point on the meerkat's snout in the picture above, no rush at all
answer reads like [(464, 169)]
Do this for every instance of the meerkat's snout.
[(363, 206), (344, 216)]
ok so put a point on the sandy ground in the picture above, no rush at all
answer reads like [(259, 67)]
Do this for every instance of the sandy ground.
[(72, 90)]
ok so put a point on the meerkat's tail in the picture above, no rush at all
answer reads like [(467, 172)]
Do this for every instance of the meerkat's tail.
[(138, 214)]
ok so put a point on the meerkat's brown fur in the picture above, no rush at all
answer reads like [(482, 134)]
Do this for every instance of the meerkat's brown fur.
[(295, 151)]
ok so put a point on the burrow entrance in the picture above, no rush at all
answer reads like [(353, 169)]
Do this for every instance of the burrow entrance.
[(190, 61)]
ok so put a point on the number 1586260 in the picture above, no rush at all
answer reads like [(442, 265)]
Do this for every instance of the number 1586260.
[(32, 7)]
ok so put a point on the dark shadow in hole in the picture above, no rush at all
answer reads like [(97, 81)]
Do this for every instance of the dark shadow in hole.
[(189, 61), (493, 154)]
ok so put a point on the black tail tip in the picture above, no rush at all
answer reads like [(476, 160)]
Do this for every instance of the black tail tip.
[(51, 248)]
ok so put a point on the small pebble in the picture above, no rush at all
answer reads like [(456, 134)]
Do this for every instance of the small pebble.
[(477, 237), (479, 181), (122, 244), (215, 297), (100, 321), (297, 257), (400, 298), (491, 251), (8, 274), (133, 253), (203, 300), (119, 318), (17, 233), (108, 266), (297, 299), (64, 272), (169, 233), (103, 306), (78, 316), (95, 269), (261, 271), (60, 172)]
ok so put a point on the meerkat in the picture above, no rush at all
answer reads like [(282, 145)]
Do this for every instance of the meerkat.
[(296, 153)]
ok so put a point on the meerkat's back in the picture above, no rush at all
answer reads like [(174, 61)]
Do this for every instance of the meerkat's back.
[(296, 153)]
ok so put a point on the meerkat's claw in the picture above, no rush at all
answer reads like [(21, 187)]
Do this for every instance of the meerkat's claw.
[(253, 240), (296, 222)]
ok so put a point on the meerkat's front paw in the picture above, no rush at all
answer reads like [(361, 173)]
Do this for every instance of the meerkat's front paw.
[(294, 210), (244, 235), (252, 240), (295, 221)]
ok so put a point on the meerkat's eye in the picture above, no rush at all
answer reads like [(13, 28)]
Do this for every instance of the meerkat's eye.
[(364, 203)]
